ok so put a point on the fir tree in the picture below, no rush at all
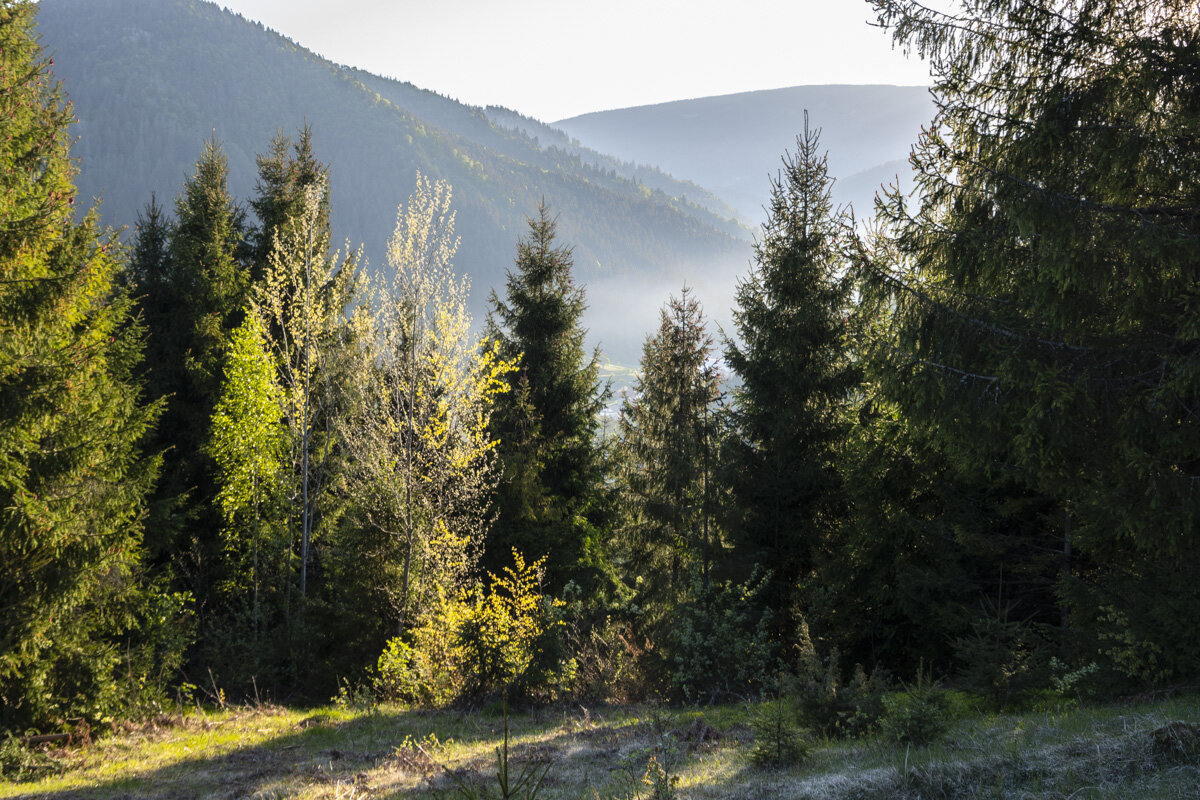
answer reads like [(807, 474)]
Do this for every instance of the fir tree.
[(284, 173), (667, 429), (794, 375), (1040, 303), (550, 498), (72, 480)]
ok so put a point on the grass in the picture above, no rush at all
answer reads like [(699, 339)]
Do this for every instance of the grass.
[(1109, 752)]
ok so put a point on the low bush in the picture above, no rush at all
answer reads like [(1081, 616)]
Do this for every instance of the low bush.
[(721, 645), (917, 715), (833, 706), (506, 638)]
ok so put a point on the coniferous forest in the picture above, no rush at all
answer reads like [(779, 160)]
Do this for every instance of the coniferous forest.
[(954, 448)]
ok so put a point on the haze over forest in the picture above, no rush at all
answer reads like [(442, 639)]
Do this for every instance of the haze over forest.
[(151, 79)]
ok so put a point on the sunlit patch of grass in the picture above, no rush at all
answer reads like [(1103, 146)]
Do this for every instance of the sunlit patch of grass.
[(1104, 752)]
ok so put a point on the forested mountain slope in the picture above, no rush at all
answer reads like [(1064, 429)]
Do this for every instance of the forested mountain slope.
[(151, 79), (729, 144)]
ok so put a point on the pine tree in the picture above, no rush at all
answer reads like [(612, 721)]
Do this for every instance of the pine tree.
[(550, 500), (795, 377), (1040, 302), (667, 429), (72, 480)]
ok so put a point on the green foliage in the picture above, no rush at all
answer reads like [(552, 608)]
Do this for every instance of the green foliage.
[(551, 499), (667, 434), (247, 444), (502, 639), (778, 741), (917, 715), (507, 633), (721, 644), (395, 674), (1004, 660), (827, 702), (20, 762), (1044, 275), (72, 476), (795, 377)]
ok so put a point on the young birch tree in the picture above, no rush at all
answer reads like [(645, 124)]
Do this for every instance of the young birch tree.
[(248, 444), (305, 298), (423, 462)]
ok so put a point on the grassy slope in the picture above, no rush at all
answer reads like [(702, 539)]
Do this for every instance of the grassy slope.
[(1106, 752)]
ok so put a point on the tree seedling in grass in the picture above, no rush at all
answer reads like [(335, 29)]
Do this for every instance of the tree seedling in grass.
[(525, 786)]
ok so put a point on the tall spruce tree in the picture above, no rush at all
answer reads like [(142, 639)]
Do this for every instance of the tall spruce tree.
[(1041, 300), (795, 377), (667, 430), (72, 480), (551, 497), (190, 296)]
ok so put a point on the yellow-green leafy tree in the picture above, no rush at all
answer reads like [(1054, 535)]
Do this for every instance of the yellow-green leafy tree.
[(308, 299), (422, 461)]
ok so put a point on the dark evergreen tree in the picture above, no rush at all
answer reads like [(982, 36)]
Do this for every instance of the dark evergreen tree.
[(667, 431), (1041, 301), (191, 296), (72, 479), (551, 499), (283, 174), (161, 301), (795, 379)]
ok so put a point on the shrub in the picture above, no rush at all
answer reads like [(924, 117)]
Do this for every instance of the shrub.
[(1006, 661), (835, 707), (919, 714), (778, 741), (504, 638), (609, 657), (721, 644)]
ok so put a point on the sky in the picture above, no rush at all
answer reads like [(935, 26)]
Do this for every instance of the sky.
[(553, 59)]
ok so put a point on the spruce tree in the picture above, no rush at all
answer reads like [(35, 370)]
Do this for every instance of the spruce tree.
[(72, 479), (667, 430), (1040, 304), (284, 173), (191, 296), (795, 377), (551, 498)]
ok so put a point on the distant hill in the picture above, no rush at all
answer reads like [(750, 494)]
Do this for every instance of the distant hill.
[(150, 79), (730, 144)]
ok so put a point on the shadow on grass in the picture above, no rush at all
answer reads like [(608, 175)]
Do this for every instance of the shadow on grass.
[(325, 755)]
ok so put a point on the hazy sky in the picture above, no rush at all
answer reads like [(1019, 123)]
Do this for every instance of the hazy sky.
[(553, 59)]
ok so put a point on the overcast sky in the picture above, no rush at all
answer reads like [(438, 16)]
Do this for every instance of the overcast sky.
[(552, 59)]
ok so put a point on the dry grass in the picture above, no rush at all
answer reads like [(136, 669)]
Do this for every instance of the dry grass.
[(1116, 753)]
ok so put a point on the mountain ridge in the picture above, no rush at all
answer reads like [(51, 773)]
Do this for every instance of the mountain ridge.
[(151, 79), (732, 143)]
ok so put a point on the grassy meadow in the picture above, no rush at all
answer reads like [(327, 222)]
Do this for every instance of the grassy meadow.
[(1142, 750)]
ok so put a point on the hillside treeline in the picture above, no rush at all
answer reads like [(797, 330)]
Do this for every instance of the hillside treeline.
[(963, 441)]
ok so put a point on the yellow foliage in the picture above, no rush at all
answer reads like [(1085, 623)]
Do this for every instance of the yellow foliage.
[(476, 642)]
